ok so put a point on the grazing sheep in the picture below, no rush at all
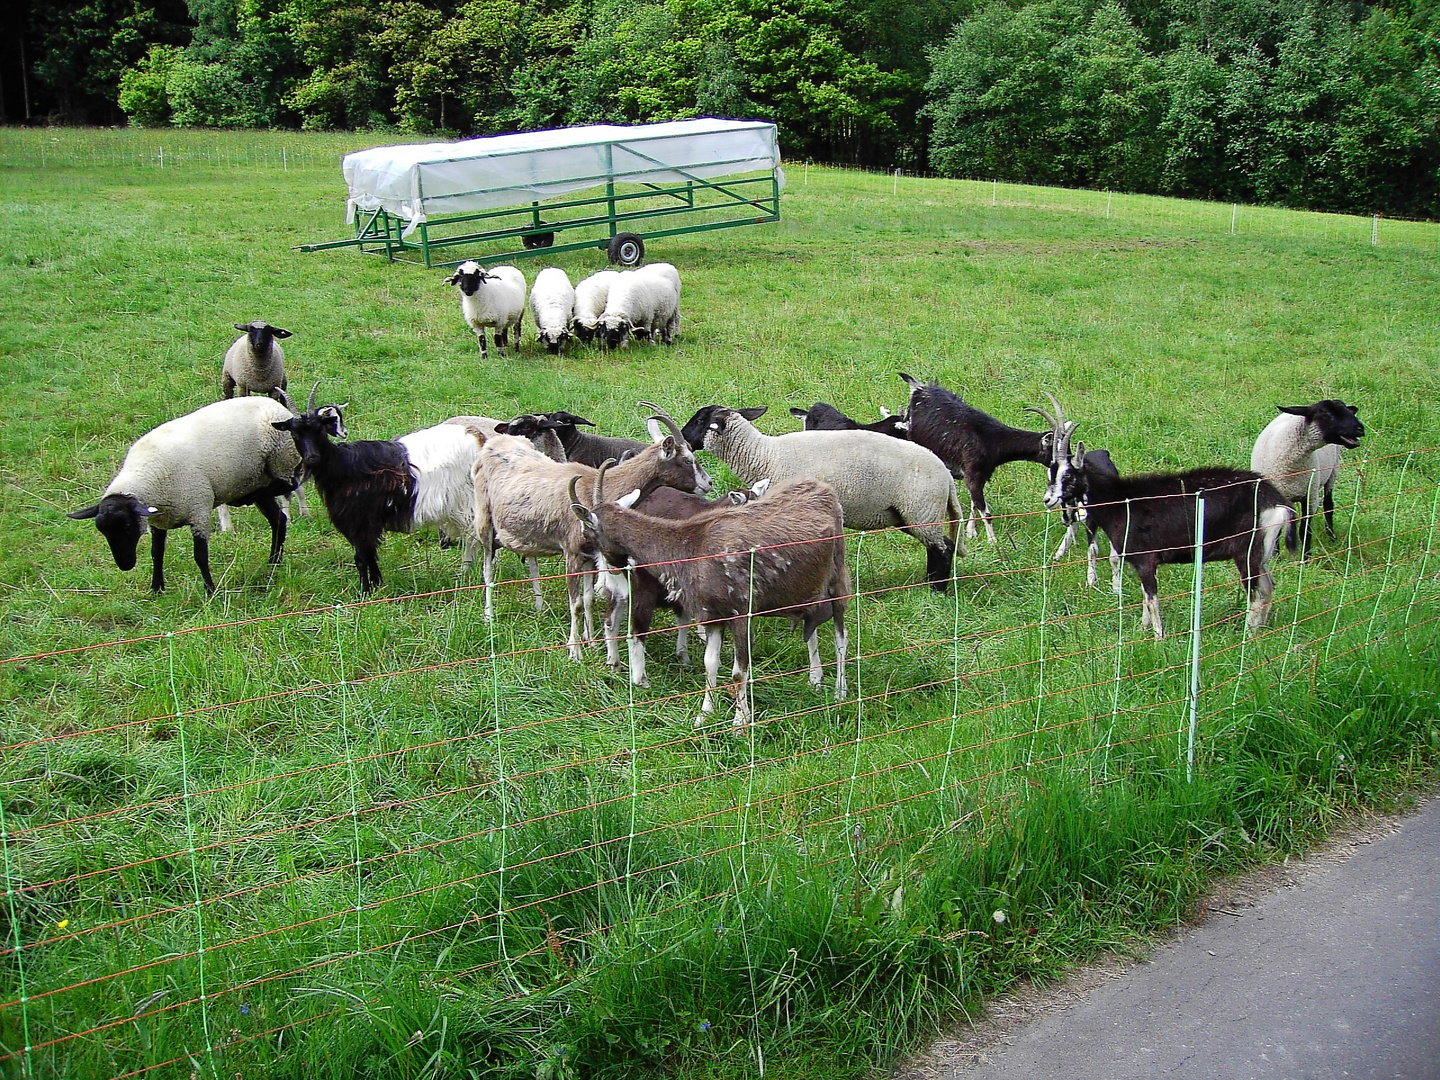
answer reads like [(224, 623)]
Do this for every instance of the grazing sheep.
[(175, 475), (1150, 519), (781, 555), (521, 502), (642, 303), (590, 298), (552, 302), (494, 297), (372, 487), (255, 363), (881, 482), (972, 443), (1299, 452), (822, 416)]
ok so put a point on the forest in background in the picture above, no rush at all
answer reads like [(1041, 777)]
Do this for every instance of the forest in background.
[(1327, 104)]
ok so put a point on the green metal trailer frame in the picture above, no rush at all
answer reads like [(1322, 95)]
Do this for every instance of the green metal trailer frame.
[(749, 200)]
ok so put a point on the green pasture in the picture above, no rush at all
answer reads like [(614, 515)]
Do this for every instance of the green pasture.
[(280, 832)]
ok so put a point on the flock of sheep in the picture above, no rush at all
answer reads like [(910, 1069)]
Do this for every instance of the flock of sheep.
[(635, 513)]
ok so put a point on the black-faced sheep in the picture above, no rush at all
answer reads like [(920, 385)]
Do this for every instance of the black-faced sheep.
[(175, 475), (491, 298), (1299, 452)]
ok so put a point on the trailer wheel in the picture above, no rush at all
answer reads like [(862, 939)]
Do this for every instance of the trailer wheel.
[(537, 240), (626, 249)]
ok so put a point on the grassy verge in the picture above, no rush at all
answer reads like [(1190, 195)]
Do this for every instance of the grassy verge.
[(385, 839)]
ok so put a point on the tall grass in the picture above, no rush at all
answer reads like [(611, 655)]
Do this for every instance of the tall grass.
[(392, 841)]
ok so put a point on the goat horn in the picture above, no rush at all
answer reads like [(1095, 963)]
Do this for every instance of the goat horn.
[(310, 405), (600, 480), (1045, 415), (1063, 429), (664, 417), (574, 495)]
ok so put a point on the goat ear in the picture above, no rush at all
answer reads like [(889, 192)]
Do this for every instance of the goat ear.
[(910, 380), (86, 514), (586, 515), (627, 455), (1079, 456), (502, 428), (1307, 411), (1354, 409), (627, 501), (760, 487), (283, 425), (754, 413), (668, 448), (658, 434)]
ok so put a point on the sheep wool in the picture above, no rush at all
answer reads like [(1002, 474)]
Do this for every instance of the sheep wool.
[(552, 303), (591, 295)]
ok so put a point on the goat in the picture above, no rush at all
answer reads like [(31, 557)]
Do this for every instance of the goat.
[(1096, 460), (1299, 452), (781, 555), (881, 482), (371, 487), (1150, 519), (971, 443), (587, 447), (637, 592), (521, 502), (822, 416)]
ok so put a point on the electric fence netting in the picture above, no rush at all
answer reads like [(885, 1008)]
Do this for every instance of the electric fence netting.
[(265, 827)]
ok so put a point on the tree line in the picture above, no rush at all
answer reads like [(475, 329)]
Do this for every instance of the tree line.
[(1333, 104)]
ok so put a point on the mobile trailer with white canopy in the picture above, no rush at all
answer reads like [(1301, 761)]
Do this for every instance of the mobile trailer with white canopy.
[(431, 197)]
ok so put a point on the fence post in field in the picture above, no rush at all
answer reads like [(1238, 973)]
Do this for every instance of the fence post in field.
[(161, 156), (1195, 634), (1349, 550), (24, 996), (186, 796), (342, 686), (994, 191), (1234, 210), (1119, 645), (1044, 611), (1107, 204), (1375, 231)]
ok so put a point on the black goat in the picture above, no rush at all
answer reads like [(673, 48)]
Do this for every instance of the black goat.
[(371, 487), (822, 416), (1150, 519), (971, 443), (1097, 461), (584, 446)]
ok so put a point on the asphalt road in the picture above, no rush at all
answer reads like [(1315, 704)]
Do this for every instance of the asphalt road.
[(1337, 976)]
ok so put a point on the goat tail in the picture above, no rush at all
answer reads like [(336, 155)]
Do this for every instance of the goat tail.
[(478, 433), (955, 514), (1273, 521)]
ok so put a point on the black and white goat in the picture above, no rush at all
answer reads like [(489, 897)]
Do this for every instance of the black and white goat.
[(636, 593), (1150, 519), (822, 416), (781, 555), (1299, 452), (971, 443), (371, 487)]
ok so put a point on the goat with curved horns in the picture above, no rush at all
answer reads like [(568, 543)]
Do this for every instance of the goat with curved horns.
[(1150, 519)]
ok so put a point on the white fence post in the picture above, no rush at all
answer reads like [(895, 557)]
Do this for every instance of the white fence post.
[(1234, 209), (1375, 231), (1195, 634)]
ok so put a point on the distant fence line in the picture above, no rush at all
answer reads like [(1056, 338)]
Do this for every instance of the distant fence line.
[(161, 149), (558, 821)]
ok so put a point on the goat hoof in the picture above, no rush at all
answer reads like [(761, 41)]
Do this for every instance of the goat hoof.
[(576, 653)]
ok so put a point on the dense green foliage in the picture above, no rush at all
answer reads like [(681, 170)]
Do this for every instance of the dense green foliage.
[(1309, 103), (1326, 104)]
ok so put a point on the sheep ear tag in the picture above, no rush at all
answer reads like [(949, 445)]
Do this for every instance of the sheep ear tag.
[(149, 510), (627, 501)]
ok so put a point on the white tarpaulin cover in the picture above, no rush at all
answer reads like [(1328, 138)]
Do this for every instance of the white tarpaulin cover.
[(421, 179)]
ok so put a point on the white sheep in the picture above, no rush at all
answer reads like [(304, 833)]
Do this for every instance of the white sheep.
[(591, 296), (494, 297), (1299, 452), (552, 302), (176, 474), (642, 303)]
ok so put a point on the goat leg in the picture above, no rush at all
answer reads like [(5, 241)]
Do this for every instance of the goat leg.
[(713, 636)]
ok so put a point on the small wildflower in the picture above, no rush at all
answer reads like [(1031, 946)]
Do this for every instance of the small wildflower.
[(999, 917), (705, 1025), (244, 1010), (62, 924)]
